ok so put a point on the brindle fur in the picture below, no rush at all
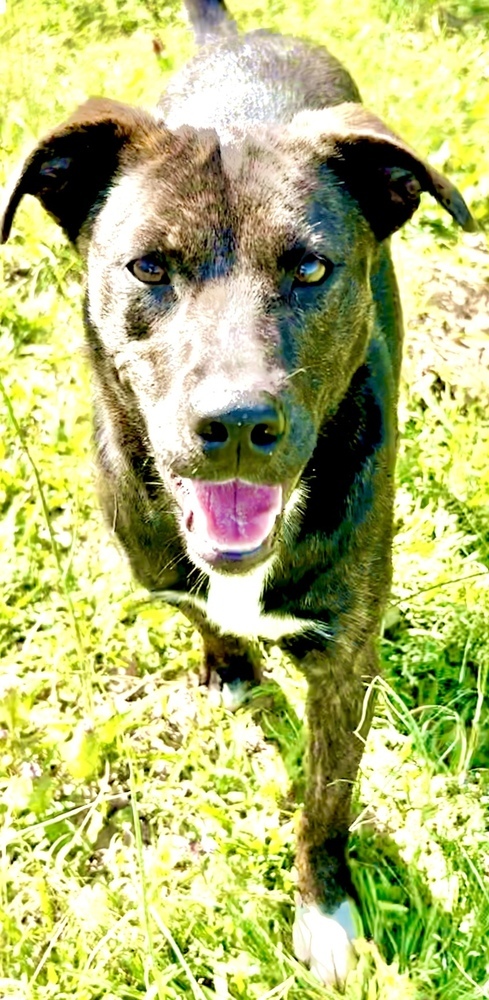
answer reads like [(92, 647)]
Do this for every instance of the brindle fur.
[(288, 156)]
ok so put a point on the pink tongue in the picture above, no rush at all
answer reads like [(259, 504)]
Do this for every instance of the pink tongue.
[(235, 516)]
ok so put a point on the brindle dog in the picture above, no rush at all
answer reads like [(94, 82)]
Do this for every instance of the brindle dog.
[(244, 328)]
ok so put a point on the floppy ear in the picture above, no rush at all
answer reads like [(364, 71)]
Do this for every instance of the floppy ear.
[(380, 171), (71, 169)]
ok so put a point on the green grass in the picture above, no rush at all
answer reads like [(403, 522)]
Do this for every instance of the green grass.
[(146, 836)]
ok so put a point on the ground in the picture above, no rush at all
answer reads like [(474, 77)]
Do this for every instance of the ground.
[(146, 835)]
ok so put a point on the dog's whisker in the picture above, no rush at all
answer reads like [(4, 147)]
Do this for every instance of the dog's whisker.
[(298, 371)]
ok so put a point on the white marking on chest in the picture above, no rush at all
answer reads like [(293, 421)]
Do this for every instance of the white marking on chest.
[(234, 605), (234, 602), (237, 610)]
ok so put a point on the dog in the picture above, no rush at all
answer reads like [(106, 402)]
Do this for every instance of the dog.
[(244, 328)]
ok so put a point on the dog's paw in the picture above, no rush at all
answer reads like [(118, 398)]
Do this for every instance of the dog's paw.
[(231, 696), (324, 941)]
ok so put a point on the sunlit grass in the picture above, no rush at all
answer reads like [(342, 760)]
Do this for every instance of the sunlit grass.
[(146, 837)]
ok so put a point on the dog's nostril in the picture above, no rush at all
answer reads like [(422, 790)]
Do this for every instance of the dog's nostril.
[(255, 429), (264, 435), (213, 432)]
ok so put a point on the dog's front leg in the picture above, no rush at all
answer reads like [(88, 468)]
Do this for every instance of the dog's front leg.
[(339, 716), (231, 666)]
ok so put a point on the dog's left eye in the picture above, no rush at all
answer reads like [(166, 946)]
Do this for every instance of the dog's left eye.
[(149, 270), (313, 270)]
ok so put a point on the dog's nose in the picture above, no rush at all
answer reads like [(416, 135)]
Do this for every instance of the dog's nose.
[(256, 429)]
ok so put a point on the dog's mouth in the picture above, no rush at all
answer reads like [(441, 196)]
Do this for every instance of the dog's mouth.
[(231, 522)]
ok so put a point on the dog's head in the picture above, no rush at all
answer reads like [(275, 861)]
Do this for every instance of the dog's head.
[(229, 303)]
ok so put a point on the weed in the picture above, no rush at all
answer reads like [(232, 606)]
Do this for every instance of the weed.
[(146, 837)]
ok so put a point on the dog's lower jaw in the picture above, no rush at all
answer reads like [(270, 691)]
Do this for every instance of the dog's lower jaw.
[(324, 941)]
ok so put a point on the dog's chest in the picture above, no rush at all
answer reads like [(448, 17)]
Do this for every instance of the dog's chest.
[(234, 604)]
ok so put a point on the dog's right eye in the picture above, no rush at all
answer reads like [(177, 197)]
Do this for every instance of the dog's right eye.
[(149, 270), (313, 270)]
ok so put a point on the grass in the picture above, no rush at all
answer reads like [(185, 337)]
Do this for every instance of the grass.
[(146, 836)]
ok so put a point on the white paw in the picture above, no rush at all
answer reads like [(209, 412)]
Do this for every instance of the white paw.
[(235, 695), (230, 696), (324, 941)]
